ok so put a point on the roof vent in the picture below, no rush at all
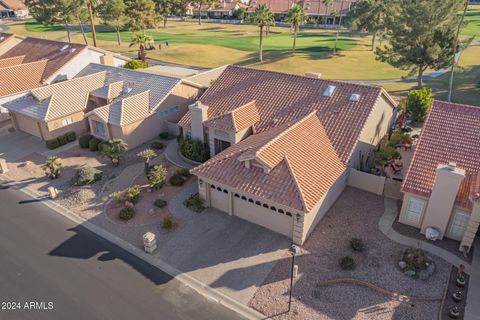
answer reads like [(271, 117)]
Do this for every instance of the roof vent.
[(329, 91), (127, 90), (313, 75), (452, 166), (65, 47), (355, 97), (73, 50)]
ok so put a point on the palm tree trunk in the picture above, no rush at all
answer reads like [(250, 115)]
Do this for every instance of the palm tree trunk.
[(374, 37), (83, 31), (92, 24), (326, 16), (452, 70), (338, 28), (199, 13), (165, 21), (294, 39), (119, 41), (67, 27), (261, 44)]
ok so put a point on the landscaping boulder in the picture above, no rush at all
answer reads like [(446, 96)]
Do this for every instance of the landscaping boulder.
[(402, 264), (410, 273), (86, 175)]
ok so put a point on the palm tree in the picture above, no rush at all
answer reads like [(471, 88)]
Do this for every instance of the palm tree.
[(147, 155), (296, 16), (52, 167), (338, 28), (141, 40), (327, 4), (114, 149), (262, 17), (454, 62)]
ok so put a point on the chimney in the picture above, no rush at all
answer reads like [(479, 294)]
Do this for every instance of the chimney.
[(107, 59), (199, 114), (442, 199), (313, 75)]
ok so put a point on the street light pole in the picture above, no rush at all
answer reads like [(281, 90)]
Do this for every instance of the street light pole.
[(293, 252)]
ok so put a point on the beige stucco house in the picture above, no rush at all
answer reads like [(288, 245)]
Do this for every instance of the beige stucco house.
[(109, 102), (442, 185), (282, 144)]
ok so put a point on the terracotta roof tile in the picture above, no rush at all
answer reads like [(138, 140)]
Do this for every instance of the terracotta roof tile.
[(236, 120), (318, 8), (7, 62), (14, 4), (451, 133), (276, 6), (21, 77)]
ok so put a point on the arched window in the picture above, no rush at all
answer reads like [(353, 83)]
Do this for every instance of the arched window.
[(289, 214), (273, 208), (281, 211), (212, 186), (244, 198), (258, 203), (237, 195), (250, 200), (265, 205), (219, 189), (225, 191)]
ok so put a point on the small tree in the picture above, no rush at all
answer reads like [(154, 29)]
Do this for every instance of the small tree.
[(141, 15), (157, 177), (263, 18), (241, 13), (52, 167), (418, 103), (114, 149), (296, 17), (141, 40), (113, 14), (147, 155)]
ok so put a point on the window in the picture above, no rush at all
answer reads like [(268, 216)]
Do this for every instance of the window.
[(414, 211), (459, 224), (67, 121), (168, 111), (237, 195), (221, 145), (99, 128), (189, 134), (250, 200)]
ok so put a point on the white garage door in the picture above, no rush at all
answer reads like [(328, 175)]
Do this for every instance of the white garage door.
[(260, 213), (219, 197)]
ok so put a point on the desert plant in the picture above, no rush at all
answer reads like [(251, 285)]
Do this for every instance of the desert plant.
[(93, 144), (195, 203), (147, 155), (114, 149), (71, 136), (86, 175), (102, 145), (184, 172), (167, 222), (388, 152), (177, 180), (164, 135), (415, 258), (52, 167), (157, 145), (126, 213), (398, 137), (160, 203), (118, 196), (84, 140), (52, 144), (357, 244), (157, 177), (132, 194), (347, 263)]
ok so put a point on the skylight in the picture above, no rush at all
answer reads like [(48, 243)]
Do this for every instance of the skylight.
[(329, 91), (355, 97)]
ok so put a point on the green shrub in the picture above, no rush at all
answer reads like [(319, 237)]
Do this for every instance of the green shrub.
[(84, 140), (52, 144), (62, 140), (164, 135), (126, 214), (86, 175), (118, 196), (416, 259), (157, 176), (418, 103), (156, 145), (398, 137), (388, 152), (132, 194), (102, 145), (357, 245), (71, 136), (347, 263), (167, 222), (177, 180), (195, 203), (194, 150), (184, 172), (93, 144), (135, 64), (160, 203)]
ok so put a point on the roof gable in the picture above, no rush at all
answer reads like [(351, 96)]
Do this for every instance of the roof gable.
[(21, 77)]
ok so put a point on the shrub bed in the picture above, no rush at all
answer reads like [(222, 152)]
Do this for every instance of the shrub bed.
[(93, 144), (156, 145), (126, 214), (84, 140), (194, 149), (61, 140), (177, 180), (160, 203), (86, 175), (347, 263)]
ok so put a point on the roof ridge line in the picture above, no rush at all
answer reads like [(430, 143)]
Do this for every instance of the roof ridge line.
[(48, 108), (297, 184), (24, 64)]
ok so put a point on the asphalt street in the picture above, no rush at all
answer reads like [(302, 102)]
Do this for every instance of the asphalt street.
[(51, 268)]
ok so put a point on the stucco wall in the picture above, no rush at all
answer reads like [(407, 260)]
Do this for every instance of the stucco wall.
[(56, 128), (27, 124), (366, 181)]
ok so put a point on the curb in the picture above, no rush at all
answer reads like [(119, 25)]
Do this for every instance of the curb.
[(186, 279)]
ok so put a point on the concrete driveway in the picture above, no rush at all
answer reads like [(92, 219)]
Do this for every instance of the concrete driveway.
[(17, 145)]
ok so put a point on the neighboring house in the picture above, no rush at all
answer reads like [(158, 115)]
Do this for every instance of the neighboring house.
[(223, 9), (27, 63), (313, 8), (110, 102), (442, 185), (13, 9), (282, 144)]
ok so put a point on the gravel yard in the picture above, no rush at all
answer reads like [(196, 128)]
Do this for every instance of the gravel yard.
[(355, 214)]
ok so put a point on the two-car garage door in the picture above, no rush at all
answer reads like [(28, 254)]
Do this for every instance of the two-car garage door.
[(254, 211)]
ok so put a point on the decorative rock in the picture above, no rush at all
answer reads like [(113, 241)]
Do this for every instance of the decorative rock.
[(151, 212), (423, 275), (402, 264), (410, 273)]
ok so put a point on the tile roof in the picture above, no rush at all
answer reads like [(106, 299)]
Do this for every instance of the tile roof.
[(4, 37), (290, 152), (276, 6), (317, 7), (14, 4), (58, 100), (282, 98), (21, 77), (206, 78), (451, 133), (237, 119), (7, 62), (35, 49), (125, 111)]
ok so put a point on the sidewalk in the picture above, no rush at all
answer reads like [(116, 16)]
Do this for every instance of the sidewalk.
[(385, 225), (171, 153), (472, 309)]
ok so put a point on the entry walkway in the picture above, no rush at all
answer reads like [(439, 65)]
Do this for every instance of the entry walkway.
[(385, 225), (171, 153)]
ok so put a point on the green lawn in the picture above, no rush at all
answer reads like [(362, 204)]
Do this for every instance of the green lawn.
[(473, 21)]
